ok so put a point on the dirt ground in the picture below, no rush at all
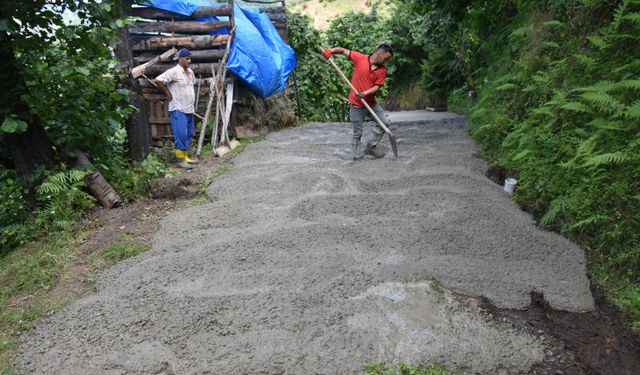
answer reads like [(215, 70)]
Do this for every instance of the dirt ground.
[(281, 272)]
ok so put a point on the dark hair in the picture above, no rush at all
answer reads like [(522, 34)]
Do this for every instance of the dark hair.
[(386, 48)]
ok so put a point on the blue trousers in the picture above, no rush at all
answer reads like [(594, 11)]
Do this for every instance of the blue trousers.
[(182, 127)]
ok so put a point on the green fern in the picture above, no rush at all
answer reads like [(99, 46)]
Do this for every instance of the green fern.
[(600, 99), (587, 61), (630, 68), (576, 107), (556, 207), (633, 111), (588, 146), (606, 124), (618, 15), (61, 181), (594, 220), (598, 42), (633, 18), (603, 86), (553, 23), (543, 112), (521, 32), (521, 155), (606, 159), (506, 87), (629, 84)]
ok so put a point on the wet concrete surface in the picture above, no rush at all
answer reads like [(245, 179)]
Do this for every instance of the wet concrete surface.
[(309, 263)]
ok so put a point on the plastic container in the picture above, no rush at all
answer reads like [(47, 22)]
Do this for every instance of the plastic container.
[(510, 185)]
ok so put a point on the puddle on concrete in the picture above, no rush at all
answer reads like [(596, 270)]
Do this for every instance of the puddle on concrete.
[(420, 323)]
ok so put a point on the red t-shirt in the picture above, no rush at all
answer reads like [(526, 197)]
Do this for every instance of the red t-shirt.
[(364, 77)]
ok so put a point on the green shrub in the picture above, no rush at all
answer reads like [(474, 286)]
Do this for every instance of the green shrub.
[(136, 181), (13, 212), (62, 201)]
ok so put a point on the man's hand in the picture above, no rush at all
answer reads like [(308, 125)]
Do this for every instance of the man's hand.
[(169, 97), (360, 95), (327, 53)]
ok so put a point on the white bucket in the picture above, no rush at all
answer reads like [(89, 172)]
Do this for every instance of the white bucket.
[(510, 185)]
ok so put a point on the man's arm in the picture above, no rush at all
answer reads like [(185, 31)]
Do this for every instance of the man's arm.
[(163, 88), (371, 91), (336, 50)]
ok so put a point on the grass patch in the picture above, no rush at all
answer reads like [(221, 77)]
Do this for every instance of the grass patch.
[(246, 141), (202, 188), (125, 248), (207, 151), (201, 199), (437, 286), (27, 277), (405, 369), (620, 291)]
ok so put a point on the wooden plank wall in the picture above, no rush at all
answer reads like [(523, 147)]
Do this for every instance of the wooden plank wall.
[(155, 31)]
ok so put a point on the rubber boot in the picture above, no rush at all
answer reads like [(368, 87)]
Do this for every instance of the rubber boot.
[(370, 148), (354, 151), (181, 162), (187, 159)]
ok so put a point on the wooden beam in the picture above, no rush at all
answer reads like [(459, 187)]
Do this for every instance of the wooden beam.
[(207, 55), (192, 42), (140, 69), (277, 17), (273, 9), (212, 11), (188, 27), (159, 14)]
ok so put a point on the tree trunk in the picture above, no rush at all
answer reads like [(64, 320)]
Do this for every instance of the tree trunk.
[(187, 27), (466, 70), (97, 184), (191, 42), (138, 129), (32, 149), (213, 55)]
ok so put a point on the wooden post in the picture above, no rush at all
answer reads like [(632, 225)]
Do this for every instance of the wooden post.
[(295, 86), (138, 129), (232, 20), (212, 91)]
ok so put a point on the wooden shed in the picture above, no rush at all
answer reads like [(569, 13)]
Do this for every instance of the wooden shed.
[(155, 33)]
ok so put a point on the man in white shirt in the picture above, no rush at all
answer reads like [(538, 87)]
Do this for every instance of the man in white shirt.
[(177, 84)]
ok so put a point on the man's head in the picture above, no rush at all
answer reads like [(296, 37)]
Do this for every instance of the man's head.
[(184, 58), (382, 54)]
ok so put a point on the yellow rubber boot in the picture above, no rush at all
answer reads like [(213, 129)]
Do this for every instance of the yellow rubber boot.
[(187, 159), (182, 163)]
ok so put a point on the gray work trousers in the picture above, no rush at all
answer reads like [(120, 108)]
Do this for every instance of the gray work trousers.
[(358, 114)]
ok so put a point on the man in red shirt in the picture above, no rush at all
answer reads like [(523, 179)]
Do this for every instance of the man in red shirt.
[(369, 74)]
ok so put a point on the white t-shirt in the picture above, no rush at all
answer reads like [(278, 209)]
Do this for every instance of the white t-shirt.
[(180, 84)]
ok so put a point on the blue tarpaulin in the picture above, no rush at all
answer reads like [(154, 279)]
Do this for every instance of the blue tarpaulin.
[(258, 57)]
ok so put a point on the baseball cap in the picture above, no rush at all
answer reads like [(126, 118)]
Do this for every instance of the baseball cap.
[(182, 53)]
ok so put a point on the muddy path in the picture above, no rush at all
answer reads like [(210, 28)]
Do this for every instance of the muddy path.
[(306, 262)]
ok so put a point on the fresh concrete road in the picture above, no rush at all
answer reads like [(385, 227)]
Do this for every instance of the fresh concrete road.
[(306, 262)]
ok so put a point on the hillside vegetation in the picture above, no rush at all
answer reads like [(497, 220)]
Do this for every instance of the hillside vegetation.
[(324, 11)]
